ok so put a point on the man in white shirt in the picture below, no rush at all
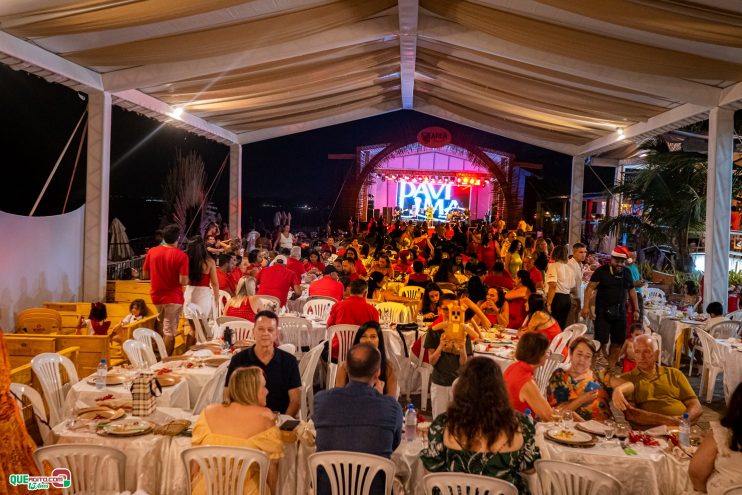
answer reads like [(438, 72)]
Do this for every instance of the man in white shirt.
[(576, 264), (252, 238)]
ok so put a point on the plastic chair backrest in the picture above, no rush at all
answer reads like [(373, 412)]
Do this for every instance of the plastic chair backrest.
[(394, 312), (294, 330), (224, 298), (146, 336), (20, 391), (560, 342), (139, 355), (411, 292), (226, 319), (711, 349), (46, 367), (319, 307), (725, 329), (271, 303), (345, 334), (577, 329), (213, 390), (225, 469), (395, 355), (85, 463), (241, 330), (193, 313), (543, 373), (307, 368), (567, 478), (654, 294), (290, 348), (735, 315), (469, 484), (351, 473)]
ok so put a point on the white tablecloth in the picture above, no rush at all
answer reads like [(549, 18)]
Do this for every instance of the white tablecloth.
[(732, 366), (148, 457), (651, 472), (195, 378), (176, 396)]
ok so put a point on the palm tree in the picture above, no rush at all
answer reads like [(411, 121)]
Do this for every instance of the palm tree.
[(184, 192), (672, 189)]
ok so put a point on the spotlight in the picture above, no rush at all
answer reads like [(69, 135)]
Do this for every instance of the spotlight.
[(620, 132), (177, 112)]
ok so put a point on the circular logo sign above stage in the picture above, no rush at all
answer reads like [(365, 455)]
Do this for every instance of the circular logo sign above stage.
[(434, 137)]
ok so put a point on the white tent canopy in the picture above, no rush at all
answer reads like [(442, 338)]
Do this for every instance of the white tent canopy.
[(575, 76)]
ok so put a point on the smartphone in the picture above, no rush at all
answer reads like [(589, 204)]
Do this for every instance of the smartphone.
[(289, 424)]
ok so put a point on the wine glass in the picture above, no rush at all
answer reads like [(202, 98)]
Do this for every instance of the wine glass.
[(569, 419), (610, 429)]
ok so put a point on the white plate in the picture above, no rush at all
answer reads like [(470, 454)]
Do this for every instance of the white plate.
[(594, 427), (577, 436)]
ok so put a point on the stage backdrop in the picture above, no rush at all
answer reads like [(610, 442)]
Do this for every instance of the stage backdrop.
[(40, 261)]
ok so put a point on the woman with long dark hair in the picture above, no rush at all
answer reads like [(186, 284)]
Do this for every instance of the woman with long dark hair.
[(517, 298), (539, 320), (514, 257), (203, 286), (717, 464), (430, 304), (480, 433), (495, 307), (370, 333)]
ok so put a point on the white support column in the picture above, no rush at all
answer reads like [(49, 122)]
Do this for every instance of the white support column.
[(95, 251), (235, 190), (575, 199), (614, 205), (718, 205)]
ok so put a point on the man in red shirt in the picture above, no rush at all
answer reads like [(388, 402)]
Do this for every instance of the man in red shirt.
[(223, 274), (294, 261), (328, 285), (536, 276), (276, 280), (354, 310), (349, 269), (166, 266), (499, 277)]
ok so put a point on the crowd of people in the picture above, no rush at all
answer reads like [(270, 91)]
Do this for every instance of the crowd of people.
[(475, 276)]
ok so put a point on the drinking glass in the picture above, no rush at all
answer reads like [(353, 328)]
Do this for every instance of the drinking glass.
[(558, 416), (622, 430), (569, 419), (610, 429)]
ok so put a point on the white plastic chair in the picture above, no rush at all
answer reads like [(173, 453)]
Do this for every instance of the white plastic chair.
[(736, 315), (396, 359), (271, 303), (87, 464), (654, 295), (307, 368), (290, 348), (225, 469), (725, 329), (393, 312), (213, 390), (412, 292), (319, 307), (226, 319), (577, 329), (296, 331), (241, 330), (139, 355), (733, 490), (37, 405), (224, 298), (712, 364), (46, 367), (351, 473), (345, 334), (567, 478), (425, 370), (467, 484), (543, 373), (560, 342), (201, 326), (146, 336)]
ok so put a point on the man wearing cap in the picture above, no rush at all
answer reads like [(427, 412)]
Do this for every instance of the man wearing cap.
[(328, 285), (609, 285)]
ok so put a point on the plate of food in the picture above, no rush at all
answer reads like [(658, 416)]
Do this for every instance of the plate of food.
[(111, 379), (168, 379), (215, 362), (100, 413), (125, 428), (570, 437)]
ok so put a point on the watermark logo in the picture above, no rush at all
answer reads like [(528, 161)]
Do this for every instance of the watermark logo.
[(60, 478)]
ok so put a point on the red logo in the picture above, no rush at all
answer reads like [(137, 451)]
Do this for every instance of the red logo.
[(434, 137)]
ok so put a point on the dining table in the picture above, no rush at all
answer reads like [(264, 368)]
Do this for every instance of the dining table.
[(675, 329)]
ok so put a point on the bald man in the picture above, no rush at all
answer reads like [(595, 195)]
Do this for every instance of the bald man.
[(660, 395)]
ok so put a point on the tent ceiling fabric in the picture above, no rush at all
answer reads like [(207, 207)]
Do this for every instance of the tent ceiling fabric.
[(565, 72)]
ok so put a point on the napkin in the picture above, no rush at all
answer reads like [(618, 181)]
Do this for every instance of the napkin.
[(657, 431), (593, 425)]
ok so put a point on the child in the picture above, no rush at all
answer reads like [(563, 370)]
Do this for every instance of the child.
[(137, 311), (96, 322), (629, 360)]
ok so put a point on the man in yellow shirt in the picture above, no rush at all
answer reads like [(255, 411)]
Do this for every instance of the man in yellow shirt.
[(660, 395)]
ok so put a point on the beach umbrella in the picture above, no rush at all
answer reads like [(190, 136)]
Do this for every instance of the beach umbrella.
[(118, 245)]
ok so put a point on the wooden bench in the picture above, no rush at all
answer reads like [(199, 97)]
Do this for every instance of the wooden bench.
[(92, 348), (121, 291), (72, 311)]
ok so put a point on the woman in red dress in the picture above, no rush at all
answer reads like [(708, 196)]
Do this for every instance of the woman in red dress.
[(517, 298), (539, 320)]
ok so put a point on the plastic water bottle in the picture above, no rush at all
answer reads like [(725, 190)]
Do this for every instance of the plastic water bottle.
[(529, 415), (101, 374), (684, 431), (420, 321), (410, 422)]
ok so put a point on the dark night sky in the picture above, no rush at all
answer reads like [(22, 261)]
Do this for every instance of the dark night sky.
[(292, 170)]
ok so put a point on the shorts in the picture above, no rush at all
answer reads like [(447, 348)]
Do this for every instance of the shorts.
[(606, 329), (169, 317)]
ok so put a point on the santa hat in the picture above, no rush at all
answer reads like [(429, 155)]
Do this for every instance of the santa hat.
[(620, 252)]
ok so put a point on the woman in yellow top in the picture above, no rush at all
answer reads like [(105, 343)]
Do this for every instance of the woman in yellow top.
[(514, 258), (242, 420)]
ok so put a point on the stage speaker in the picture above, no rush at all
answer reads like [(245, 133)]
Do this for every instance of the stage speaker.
[(388, 213), (377, 212)]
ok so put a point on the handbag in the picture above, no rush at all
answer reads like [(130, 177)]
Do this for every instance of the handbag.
[(144, 392)]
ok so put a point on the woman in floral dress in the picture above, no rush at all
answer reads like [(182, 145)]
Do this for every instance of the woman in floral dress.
[(480, 433)]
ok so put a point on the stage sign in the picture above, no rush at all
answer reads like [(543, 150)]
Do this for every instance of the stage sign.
[(413, 199), (434, 137)]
